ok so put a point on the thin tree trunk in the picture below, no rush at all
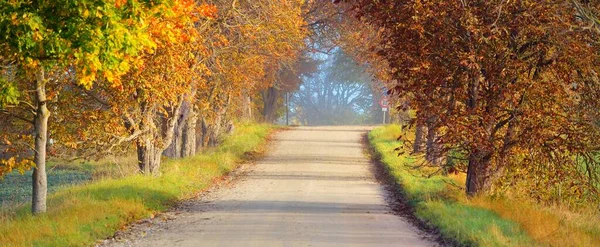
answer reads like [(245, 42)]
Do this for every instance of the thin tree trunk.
[(418, 143), (189, 135), (40, 181), (434, 153), (175, 150), (247, 112), (270, 97), (431, 149)]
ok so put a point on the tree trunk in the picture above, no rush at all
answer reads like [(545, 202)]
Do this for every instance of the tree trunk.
[(214, 130), (418, 144), (478, 173), (175, 150), (203, 133), (154, 143), (189, 135), (247, 110), (434, 152), (148, 156), (270, 97), (40, 121)]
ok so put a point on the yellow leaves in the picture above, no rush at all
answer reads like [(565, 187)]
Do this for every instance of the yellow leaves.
[(12, 163), (14, 19), (98, 13), (31, 63), (85, 13)]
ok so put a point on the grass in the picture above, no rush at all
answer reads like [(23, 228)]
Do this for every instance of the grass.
[(82, 214), (483, 221)]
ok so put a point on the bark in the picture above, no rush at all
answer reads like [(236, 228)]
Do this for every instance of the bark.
[(151, 147), (247, 110), (430, 144), (148, 157), (214, 130), (270, 97), (434, 153), (189, 135), (418, 144), (478, 173), (203, 134), (175, 150), (40, 181)]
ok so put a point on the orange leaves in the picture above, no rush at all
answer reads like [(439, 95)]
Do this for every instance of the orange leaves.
[(208, 10), (119, 3)]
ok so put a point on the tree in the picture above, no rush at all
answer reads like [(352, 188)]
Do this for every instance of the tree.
[(494, 79), (96, 39), (152, 96)]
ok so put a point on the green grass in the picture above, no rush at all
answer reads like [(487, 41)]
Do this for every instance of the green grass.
[(82, 214), (435, 199), (481, 221)]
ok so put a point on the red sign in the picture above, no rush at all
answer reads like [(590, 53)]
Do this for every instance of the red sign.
[(384, 102)]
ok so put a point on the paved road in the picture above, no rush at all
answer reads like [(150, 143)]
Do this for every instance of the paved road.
[(314, 188)]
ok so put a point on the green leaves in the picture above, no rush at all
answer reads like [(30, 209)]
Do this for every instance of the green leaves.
[(9, 94), (94, 36)]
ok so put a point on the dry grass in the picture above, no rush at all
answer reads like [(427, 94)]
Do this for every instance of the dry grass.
[(552, 226)]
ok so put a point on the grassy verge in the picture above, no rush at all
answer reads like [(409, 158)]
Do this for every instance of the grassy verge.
[(439, 200), (82, 214)]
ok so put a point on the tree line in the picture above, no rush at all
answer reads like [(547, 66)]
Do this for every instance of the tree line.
[(82, 79), (506, 91)]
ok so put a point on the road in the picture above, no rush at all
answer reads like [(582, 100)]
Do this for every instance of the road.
[(314, 188)]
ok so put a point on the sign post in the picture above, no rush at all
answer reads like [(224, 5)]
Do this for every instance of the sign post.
[(384, 103)]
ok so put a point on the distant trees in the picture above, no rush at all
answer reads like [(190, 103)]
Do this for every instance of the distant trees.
[(340, 93), (502, 82)]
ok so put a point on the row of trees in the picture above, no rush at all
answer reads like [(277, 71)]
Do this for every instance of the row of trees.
[(508, 90), (95, 77)]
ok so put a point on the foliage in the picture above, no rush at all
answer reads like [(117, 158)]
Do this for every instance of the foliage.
[(42, 43), (504, 86), (82, 214), (95, 37)]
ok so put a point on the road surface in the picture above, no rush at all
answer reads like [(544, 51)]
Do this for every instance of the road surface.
[(314, 188)]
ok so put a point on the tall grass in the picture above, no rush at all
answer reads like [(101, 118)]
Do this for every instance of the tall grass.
[(82, 214), (482, 221)]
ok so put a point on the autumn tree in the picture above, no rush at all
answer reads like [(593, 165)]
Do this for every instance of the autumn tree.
[(42, 39), (500, 81), (145, 106), (250, 43)]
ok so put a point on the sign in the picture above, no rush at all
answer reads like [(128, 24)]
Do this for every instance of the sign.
[(384, 109), (384, 102)]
